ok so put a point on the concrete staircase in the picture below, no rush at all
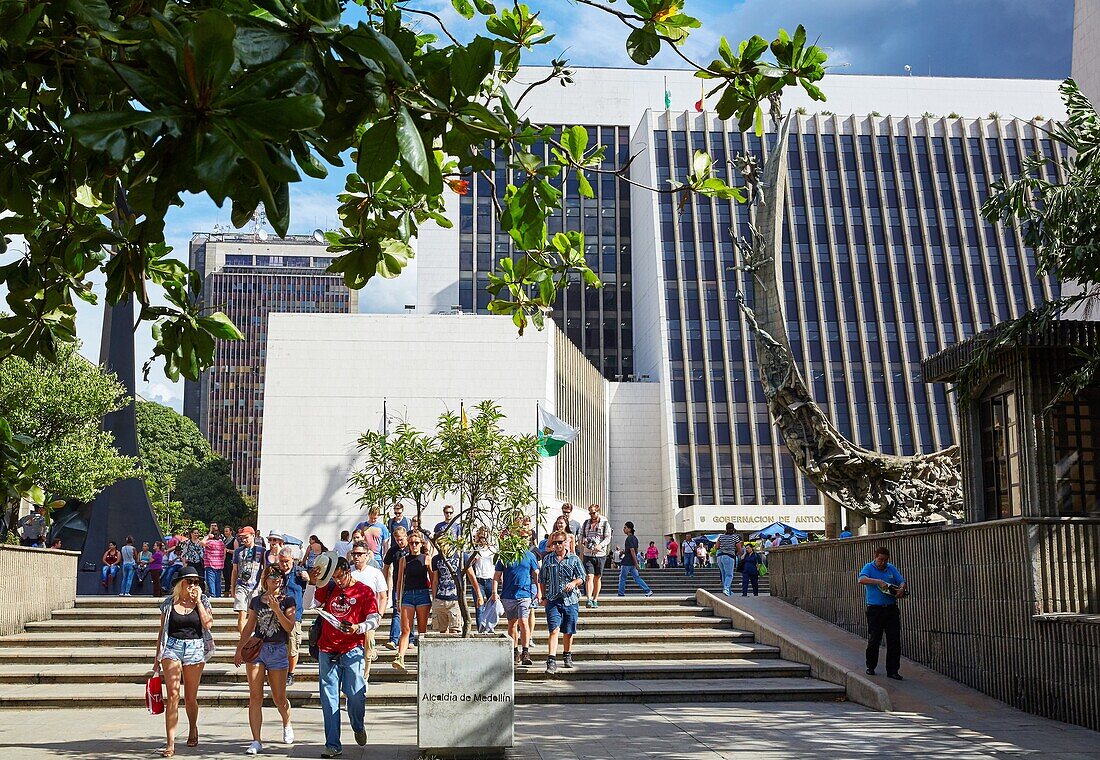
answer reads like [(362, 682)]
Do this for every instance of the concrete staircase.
[(662, 649)]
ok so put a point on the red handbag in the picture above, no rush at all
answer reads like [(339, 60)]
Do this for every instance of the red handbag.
[(154, 694)]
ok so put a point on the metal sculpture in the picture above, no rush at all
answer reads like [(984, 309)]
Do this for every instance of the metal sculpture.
[(880, 486)]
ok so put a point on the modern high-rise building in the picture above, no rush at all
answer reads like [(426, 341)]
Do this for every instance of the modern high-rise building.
[(885, 260), (1086, 48), (249, 279)]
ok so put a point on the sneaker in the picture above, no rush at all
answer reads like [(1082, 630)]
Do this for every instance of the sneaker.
[(525, 658), (391, 645), (895, 676), (289, 679), (870, 671), (330, 752), (551, 666), (567, 660), (361, 737), (254, 748), (516, 655), (373, 655), (595, 602), (648, 594), (621, 595), (399, 665), (589, 603), (288, 734)]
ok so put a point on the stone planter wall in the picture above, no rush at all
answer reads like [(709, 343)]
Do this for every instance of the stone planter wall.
[(34, 583)]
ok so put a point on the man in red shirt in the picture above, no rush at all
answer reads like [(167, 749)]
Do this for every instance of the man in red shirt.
[(341, 646)]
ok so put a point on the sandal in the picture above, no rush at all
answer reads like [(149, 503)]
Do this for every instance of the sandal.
[(193, 740), (168, 752)]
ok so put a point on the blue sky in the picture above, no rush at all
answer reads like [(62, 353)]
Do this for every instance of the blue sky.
[(975, 38)]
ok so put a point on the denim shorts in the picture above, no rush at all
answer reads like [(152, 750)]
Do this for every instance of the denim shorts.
[(184, 651), (561, 616), (421, 597), (273, 656)]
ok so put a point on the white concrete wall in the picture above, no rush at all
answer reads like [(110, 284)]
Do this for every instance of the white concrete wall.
[(437, 262), (619, 96), (639, 487), (327, 375), (1086, 48)]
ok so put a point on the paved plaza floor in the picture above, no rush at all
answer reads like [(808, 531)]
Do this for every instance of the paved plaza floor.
[(581, 732)]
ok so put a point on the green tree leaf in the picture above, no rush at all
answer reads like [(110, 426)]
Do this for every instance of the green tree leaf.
[(378, 150), (642, 45), (413, 155)]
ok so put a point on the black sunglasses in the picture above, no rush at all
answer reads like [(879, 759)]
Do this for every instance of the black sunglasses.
[(556, 543)]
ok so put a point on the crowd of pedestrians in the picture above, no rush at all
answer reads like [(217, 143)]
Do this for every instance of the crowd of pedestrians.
[(379, 565)]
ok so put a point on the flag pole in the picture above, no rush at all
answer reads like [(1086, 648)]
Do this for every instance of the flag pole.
[(385, 418), (538, 473)]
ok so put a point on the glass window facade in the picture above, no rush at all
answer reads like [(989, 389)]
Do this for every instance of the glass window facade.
[(885, 261), (598, 322)]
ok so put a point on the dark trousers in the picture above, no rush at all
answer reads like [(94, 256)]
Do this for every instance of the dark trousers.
[(884, 618), (746, 579)]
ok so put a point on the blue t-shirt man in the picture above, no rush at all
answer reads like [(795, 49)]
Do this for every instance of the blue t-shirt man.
[(875, 596), (516, 579), (295, 588)]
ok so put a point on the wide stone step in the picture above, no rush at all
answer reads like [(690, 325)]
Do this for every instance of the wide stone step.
[(548, 690), (647, 608), (586, 669), (608, 598), (147, 637), (226, 624), (143, 655)]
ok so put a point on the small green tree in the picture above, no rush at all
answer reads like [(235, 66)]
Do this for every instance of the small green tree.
[(492, 474), (55, 409), (489, 471), (402, 466)]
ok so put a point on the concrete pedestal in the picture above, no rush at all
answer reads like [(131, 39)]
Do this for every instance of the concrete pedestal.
[(465, 695)]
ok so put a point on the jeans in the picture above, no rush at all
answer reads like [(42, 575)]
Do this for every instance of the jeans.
[(629, 571), (336, 673), (213, 581), (884, 618), (107, 574), (746, 579), (689, 565), (725, 568), (672, 561), (166, 575), (129, 569), (395, 616), (486, 586)]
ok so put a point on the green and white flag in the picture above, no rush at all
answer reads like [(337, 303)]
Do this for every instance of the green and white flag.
[(553, 434)]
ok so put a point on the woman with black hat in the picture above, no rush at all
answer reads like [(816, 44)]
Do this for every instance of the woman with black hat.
[(184, 646)]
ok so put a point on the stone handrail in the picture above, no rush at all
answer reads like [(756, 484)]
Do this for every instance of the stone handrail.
[(34, 583)]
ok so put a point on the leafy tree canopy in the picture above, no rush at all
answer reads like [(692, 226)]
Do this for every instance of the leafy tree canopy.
[(207, 492), (114, 110), (55, 410), (168, 442), (1060, 221)]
